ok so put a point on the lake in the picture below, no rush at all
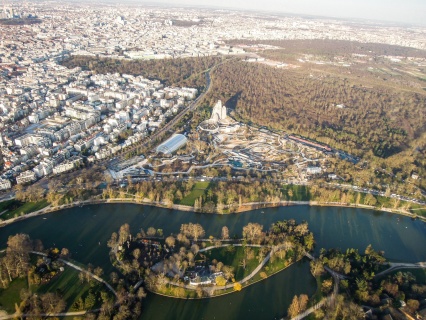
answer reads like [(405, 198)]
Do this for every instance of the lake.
[(86, 230)]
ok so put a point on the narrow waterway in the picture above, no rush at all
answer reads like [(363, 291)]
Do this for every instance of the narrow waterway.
[(86, 230)]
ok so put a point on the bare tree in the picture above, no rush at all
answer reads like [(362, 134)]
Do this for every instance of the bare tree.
[(123, 233), (151, 232), (170, 241), (52, 303), (225, 233), (252, 231), (192, 230)]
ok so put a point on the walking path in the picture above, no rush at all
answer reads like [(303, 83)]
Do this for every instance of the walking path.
[(311, 309), (64, 314), (29, 215), (231, 285), (337, 277), (330, 299), (396, 265), (72, 265)]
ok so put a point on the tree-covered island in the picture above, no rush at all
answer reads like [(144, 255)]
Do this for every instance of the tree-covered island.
[(191, 265)]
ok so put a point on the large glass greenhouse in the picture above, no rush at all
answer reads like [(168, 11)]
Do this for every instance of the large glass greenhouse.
[(172, 144)]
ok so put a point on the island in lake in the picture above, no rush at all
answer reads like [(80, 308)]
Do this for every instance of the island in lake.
[(189, 265)]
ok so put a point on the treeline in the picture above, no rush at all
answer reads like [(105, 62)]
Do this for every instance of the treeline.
[(376, 119), (181, 72), (16, 262), (221, 195), (228, 197)]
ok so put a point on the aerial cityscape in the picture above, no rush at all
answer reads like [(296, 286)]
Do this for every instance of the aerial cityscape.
[(205, 161)]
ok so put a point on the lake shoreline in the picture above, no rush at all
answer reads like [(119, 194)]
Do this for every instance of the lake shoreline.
[(85, 231), (243, 208), (246, 285)]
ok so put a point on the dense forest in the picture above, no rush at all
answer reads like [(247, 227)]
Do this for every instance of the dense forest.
[(182, 72), (375, 119), (335, 47), (374, 64)]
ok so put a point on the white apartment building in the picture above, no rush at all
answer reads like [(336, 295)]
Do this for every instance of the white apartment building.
[(67, 165), (5, 184), (26, 177)]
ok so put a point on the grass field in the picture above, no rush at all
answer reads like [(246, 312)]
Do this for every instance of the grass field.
[(198, 190), (232, 256), (8, 205), (418, 209), (25, 208), (298, 193), (170, 290), (68, 285), (11, 295)]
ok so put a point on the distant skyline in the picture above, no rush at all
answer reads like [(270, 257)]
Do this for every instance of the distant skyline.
[(408, 11)]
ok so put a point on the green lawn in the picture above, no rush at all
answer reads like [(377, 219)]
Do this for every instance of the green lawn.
[(25, 208), (68, 285), (11, 295), (318, 295), (299, 193), (198, 190), (418, 209), (170, 290), (232, 256), (8, 206), (420, 212)]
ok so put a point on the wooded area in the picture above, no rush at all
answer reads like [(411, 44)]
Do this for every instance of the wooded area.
[(181, 72), (375, 119), (332, 47)]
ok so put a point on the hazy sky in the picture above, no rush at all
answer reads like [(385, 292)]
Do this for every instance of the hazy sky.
[(409, 11)]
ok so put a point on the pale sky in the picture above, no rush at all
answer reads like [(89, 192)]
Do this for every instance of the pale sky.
[(408, 11)]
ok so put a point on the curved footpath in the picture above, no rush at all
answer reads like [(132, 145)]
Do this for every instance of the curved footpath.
[(396, 266), (337, 277), (330, 299), (231, 285), (74, 266), (62, 314)]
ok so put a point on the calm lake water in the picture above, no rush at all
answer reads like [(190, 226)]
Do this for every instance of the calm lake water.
[(86, 230)]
